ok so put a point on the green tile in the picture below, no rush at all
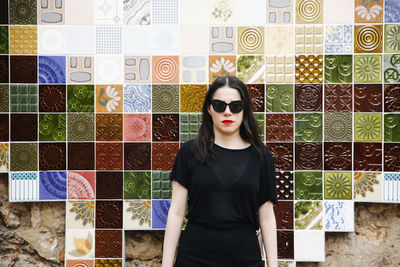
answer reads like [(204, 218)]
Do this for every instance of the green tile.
[(392, 127), (81, 127), (391, 64), (279, 98), (338, 126), (261, 123), (308, 127), (165, 98), (367, 68), (24, 156), (189, 125), (392, 40), (308, 185), (338, 69), (137, 185), (249, 69), (162, 188), (305, 214), (80, 98), (337, 185), (52, 127), (24, 98), (4, 98), (367, 127), (4, 40)]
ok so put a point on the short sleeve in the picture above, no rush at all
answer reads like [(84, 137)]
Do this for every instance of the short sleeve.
[(267, 190), (180, 170)]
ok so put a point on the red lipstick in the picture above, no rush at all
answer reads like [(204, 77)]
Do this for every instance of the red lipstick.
[(227, 122)]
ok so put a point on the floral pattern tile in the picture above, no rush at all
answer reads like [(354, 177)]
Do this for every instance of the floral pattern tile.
[(23, 12), (308, 215), (392, 44), (279, 127), (368, 68), (80, 126), (338, 38), (251, 69), (52, 98), (52, 156), (367, 186), (80, 214), (23, 157), (165, 98), (392, 98), (137, 98), (221, 66), (308, 97), (337, 185), (337, 156), (370, 11), (308, 156), (137, 127), (109, 98), (338, 126), (137, 214), (367, 127), (81, 185)]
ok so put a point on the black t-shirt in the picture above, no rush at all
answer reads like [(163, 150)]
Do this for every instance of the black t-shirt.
[(228, 191)]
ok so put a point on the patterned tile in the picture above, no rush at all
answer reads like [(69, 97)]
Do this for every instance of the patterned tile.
[(284, 214), (53, 40), (337, 185), (392, 11), (24, 127), (391, 157), (52, 69), (52, 185), (108, 40), (284, 185), (221, 66), (108, 214), (251, 69), (81, 156), (108, 13), (368, 38), (161, 185), (23, 12), (81, 185), (308, 215), (279, 12), (279, 98), (79, 244), (23, 98), (283, 155), (392, 127), (137, 69), (391, 65), (309, 39), (137, 214), (367, 186), (338, 38), (52, 127), (368, 68), (192, 97), (79, 214), (137, 98), (80, 126), (4, 157), (80, 69), (222, 11), (338, 98), (309, 11), (109, 69), (338, 127), (4, 98), (137, 156), (108, 244), (367, 127), (279, 127), (109, 98), (109, 156), (163, 155), (165, 12), (109, 127), (23, 157), (109, 185), (308, 127), (338, 69), (337, 156), (20, 181), (165, 40), (23, 69), (72, 263), (308, 97), (250, 40), (392, 98), (285, 241), (160, 210), (51, 12), (165, 98), (257, 95), (368, 11), (5, 69), (189, 125), (165, 127), (137, 185), (280, 69), (137, 127), (23, 39), (368, 98), (308, 185), (222, 40), (4, 127), (52, 98), (165, 69), (280, 40), (309, 69), (137, 12), (367, 156), (308, 156), (339, 216), (391, 185)]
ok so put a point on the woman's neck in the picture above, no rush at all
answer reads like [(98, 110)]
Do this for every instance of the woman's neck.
[(234, 141)]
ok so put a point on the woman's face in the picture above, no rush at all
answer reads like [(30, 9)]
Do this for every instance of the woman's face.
[(226, 122)]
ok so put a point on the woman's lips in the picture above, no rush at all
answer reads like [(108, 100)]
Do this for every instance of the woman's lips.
[(227, 122)]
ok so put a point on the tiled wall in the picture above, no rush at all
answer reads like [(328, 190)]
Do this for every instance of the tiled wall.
[(96, 96)]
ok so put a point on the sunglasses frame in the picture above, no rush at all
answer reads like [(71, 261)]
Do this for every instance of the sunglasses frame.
[(216, 101)]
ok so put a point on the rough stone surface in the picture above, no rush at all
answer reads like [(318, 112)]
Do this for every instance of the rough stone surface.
[(32, 234)]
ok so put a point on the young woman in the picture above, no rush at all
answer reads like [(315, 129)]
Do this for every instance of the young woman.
[(227, 176)]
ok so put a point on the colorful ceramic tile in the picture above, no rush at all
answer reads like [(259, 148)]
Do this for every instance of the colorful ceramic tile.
[(79, 244), (108, 214), (165, 12), (23, 156), (165, 98), (368, 38), (279, 12), (23, 40), (339, 216), (251, 69), (368, 68), (368, 97), (80, 214), (137, 12), (391, 157), (137, 185), (285, 241), (338, 38), (309, 39), (309, 69), (192, 97), (137, 156), (23, 69), (370, 11), (165, 69), (4, 157), (221, 66), (392, 98), (279, 98), (81, 156), (52, 98), (391, 187), (24, 186), (109, 69), (308, 97), (165, 127), (280, 40), (283, 155), (51, 12), (257, 96), (309, 11), (338, 69), (308, 215), (222, 11), (284, 185), (308, 156), (4, 127), (160, 210), (250, 40), (52, 69), (391, 72), (337, 156), (279, 127), (109, 127), (308, 127), (4, 98), (137, 127), (81, 185), (23, 12), (338, 127), (109, 156), (189, 125), (193, 69), (309, 246), (367, 186), (52, 185), (392, 11), (109, 185), (261, 124), (137, 69), (284, 214), (137, 214), (280, 69), (109, 98), (137, 98), (108, 40), (222, 40), (24, 127), (337, 185), (108, 244), (106, 262), (338, 98), (392, 127), (80, 127), (367, 127), (53, 40), (23, 98), (308, 185), (367, 156), (80, 69), (52, 156), (108, 13), (74, 263), (161, 185), (163, 155), (80, 98), (52, 127), (165, 39)]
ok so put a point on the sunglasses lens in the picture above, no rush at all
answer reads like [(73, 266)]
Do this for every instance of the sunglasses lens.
[(236, 107), (218, 106)]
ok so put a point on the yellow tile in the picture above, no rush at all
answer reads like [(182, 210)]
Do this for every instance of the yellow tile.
[(23, 39)]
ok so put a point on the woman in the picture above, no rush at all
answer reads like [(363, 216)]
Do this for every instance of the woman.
[(227, 175)]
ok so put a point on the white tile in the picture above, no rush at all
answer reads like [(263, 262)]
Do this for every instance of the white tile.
[(251, 13), (338, 11), (165, 40), (339, 216), (193, 12), (309, 245), (137, 40), (51, 40), (109, 69), (81, 40)]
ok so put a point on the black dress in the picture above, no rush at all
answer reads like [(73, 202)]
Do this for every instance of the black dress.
[(223, 200)]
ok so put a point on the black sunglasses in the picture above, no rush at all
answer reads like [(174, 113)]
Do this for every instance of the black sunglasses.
[(220, 106)]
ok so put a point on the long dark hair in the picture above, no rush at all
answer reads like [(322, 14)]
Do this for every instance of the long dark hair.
[(249, 129)]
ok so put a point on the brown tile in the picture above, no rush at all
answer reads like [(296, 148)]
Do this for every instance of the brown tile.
[(367, 156), (308, 97), (337, 156), (108, 244), (163, 155), (108, 214), (4, 69), (283, 155), (23, 69), (284, 215), (257, 95), (165, 127), (52, 98), (392, 98), (109, 185), (4, 127), (109, 127), (52, 156), (338, 97), (285, 244), (24, 127), (308, 156), (137, 156), (368, 98), (279, 127), (392, 157), (80, 156), (3, 12), (284, 185), (109, 156)]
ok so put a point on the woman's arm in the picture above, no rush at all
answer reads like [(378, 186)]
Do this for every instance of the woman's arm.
[(176, 215), (268, 231)]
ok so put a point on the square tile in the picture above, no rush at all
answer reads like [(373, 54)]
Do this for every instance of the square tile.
[(391, 187), (309, 246), (52, 69), (137, 127), (391, 156), (367, 186), (279, 98), (308, 127), (52, 185), (81, 156), (79, 244), (165, 11), (137, 98), (137, 12), (338, 38), (284, 214), (4, 12), (338, 126), (308, 97), (367, 156), (336, 14), (81, 40), (368, 12), (4, 157), (108, 13), (23, 12), (137, 156), (109, 69), (19, 181), (4, 98), (165, 39), (309, 11), (165, 69), (260, 118), (308, 215), (280, 40), (80, 98), (109, 156), (285, 244), (279, 127), (79, 13), (337, 156), (79, 214), (5, 69), (368, 98), (109, 127), (221, 66), (24, 127), (392, 11), (222, 12), (308, 185), (253, 14), (137, 69), (308, 156), (52, 127), (391, 68), (109, 98), (368, 38), (137, 214), (337, 185), (137, 185), (131, 35), (108, 40), (163, 155), (52, 12), (23, 69), (309, 39), (257, 96), (193, 69), (81, 185), (222, 40), (23, 39), (24, 98), (109, 185), (280, 12), (367, 127), (193, 12), (283, 155), (192, 97), (4, 127), (24, 157), (392, 98), (160, 210), (367, 68), (189, 125), (52, 156), (108, 214), (338, 98), (115, 262), (284, 185), (251, 69), (165, 98), (338, 68), (250, 40), (392, 127), (309, 69), (161, 185), (72, 263), (52, 40), (80, 69), (280, 69), (52, 98), (194, 39)]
